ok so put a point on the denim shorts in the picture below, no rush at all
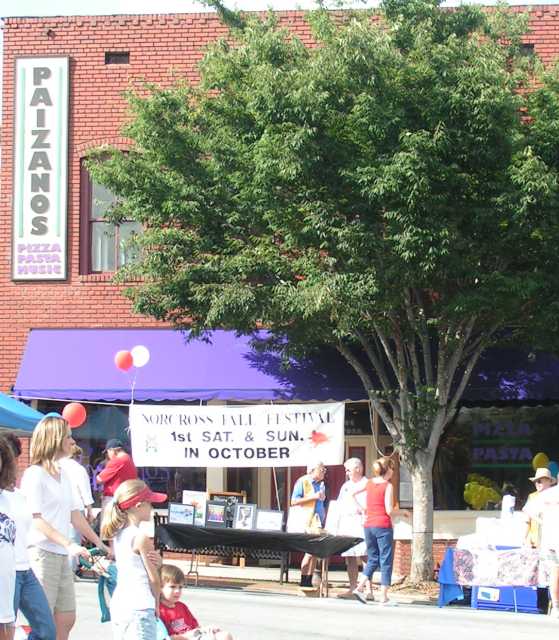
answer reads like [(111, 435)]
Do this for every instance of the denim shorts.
[(141, 626)]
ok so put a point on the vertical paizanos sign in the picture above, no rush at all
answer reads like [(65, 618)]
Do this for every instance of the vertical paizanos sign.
[(40, 169)]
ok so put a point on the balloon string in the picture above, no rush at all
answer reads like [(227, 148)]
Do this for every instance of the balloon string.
[(133, 387)]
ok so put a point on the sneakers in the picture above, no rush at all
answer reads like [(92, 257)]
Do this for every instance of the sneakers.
[(388, 603), (360, 596)]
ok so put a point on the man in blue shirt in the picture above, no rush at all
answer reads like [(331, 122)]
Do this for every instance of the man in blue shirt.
[(309, 493)]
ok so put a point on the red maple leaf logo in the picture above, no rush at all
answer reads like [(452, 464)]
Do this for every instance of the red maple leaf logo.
[(317, 437)]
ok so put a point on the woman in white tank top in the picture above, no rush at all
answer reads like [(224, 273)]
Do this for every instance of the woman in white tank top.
[(135, 600)]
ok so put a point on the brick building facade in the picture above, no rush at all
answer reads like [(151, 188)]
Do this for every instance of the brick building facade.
[(160, 48)]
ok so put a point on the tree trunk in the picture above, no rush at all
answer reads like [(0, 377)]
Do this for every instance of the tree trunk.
[(422, 537)]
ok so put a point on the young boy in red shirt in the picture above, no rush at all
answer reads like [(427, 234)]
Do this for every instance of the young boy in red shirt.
[(176, 616)]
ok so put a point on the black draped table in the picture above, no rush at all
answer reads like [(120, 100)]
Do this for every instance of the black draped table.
[(243, 542)]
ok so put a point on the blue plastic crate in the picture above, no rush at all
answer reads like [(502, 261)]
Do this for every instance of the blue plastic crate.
[(524, 599)]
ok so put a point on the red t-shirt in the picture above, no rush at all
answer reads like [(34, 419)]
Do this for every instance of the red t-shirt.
[(177, 619), (376, 511), (118, 469)]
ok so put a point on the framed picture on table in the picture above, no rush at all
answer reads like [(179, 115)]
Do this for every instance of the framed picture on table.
[(198, 500), (244, 516), (180, 513), (230, 499), (216, 514), (269, 520)]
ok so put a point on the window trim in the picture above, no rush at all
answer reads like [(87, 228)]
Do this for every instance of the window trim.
[(86, 237), (85, 209)]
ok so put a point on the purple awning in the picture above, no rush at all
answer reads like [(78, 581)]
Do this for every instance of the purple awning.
[(514, 375), (78, 364)]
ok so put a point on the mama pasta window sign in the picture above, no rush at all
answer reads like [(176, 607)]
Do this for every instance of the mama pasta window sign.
[(40, 169)]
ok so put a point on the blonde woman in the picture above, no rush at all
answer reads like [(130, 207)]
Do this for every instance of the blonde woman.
[(135, 601), (53, 506), (378, 528)]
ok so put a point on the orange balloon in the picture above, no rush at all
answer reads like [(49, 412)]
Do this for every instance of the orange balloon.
[(123, 360), (74, 414)]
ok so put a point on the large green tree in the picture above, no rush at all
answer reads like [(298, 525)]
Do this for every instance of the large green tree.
[(386, 192)]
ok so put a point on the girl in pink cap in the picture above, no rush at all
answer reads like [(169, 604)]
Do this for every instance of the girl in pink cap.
[(135, 601)]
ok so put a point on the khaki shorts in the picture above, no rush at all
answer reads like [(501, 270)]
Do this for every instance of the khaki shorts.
[(55, 575)]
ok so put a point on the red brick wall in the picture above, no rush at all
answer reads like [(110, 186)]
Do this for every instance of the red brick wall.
[(402, 555), (23, 460), (160, 46)]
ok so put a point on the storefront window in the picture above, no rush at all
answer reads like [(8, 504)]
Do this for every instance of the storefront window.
[(242, 479), (358, 419), (496, 443), (111, 421)]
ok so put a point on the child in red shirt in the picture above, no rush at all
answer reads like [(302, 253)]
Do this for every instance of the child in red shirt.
[(176, 616)]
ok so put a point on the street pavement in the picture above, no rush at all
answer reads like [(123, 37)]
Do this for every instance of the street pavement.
[(266, 616)]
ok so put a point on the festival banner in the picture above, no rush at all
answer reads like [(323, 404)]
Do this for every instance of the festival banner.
[(286, 435)]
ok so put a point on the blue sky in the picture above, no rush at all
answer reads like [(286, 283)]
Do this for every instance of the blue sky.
[(78, 7)]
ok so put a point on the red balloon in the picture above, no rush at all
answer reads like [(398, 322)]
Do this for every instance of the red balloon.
[(74, 414), (124, 360)]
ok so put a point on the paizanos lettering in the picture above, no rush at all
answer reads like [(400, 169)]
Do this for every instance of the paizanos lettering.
[(40, 164), (241, 453)]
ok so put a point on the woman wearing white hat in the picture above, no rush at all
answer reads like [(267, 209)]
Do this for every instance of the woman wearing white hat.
[(544, 508), (542, 481)]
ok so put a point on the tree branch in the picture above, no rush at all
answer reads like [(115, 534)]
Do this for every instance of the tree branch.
[(425, 342), (402, 370), (441, 368), (456, 357), (367, 383), (386, 346), (459, 391), (230, 18), (378, 365), (416, 371)]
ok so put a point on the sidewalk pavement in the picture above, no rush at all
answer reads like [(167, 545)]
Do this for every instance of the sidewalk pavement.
[(267, 579)]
